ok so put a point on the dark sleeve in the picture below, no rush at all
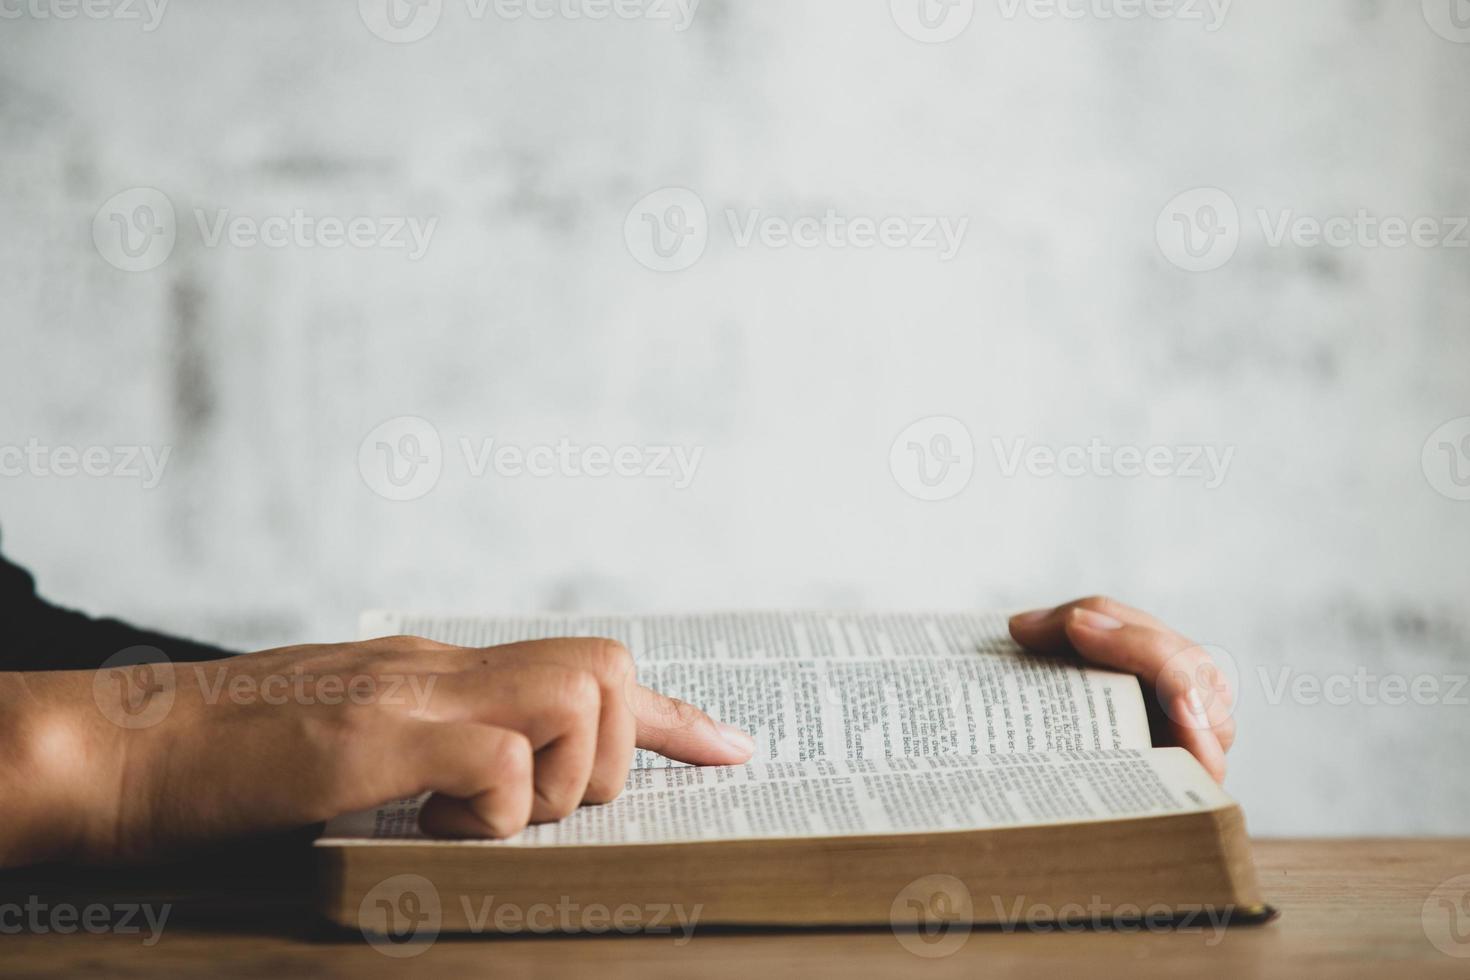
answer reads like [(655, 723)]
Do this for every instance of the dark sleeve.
[(35, 635)]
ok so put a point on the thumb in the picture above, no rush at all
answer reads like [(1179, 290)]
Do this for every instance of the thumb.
[(680, 731)]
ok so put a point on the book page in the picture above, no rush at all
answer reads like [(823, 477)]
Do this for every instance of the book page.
[(846, 686), (834, 799)]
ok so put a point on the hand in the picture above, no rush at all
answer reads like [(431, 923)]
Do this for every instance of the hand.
[(127, 763), (1116, 636)]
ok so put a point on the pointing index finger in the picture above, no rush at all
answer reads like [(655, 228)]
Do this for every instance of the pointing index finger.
[(684, 733)]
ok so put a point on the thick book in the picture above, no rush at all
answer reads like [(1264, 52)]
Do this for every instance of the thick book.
[(911, 770)]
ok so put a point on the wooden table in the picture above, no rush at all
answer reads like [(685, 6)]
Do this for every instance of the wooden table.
[(1349, 908)]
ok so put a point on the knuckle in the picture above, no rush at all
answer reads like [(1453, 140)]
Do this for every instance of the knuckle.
[(581, 694), (509, 756), (612, 659), (682, 714)]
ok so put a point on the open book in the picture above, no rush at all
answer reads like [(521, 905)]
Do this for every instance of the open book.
[(894, 753)]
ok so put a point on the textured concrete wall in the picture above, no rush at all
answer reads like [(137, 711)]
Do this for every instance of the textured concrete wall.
[(1327, 541)]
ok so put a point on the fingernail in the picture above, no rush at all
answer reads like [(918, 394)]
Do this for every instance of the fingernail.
[(1095, 620), (1033, 617), (735, 738), (1196, 704)]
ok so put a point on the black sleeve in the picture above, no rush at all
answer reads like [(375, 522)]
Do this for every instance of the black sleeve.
[(35, 635)]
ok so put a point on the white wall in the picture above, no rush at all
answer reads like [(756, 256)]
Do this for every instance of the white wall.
[(1326, 550)]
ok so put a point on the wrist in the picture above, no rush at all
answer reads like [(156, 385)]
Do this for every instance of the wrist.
[(59, 769)]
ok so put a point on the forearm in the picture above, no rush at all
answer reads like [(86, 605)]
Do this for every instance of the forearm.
[(52, 772), (127, 764)]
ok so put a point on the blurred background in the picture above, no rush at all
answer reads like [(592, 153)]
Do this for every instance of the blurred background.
[(281, 282)]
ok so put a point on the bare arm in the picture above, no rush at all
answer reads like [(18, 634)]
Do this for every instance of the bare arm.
[(131, 763)]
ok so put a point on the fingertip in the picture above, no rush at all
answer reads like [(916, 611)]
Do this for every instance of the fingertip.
[(447, 816), (1031, 619), (740, 743), (1041, 630), (714, 744), (1199, 740), (1225, 732), (1216, 767)]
